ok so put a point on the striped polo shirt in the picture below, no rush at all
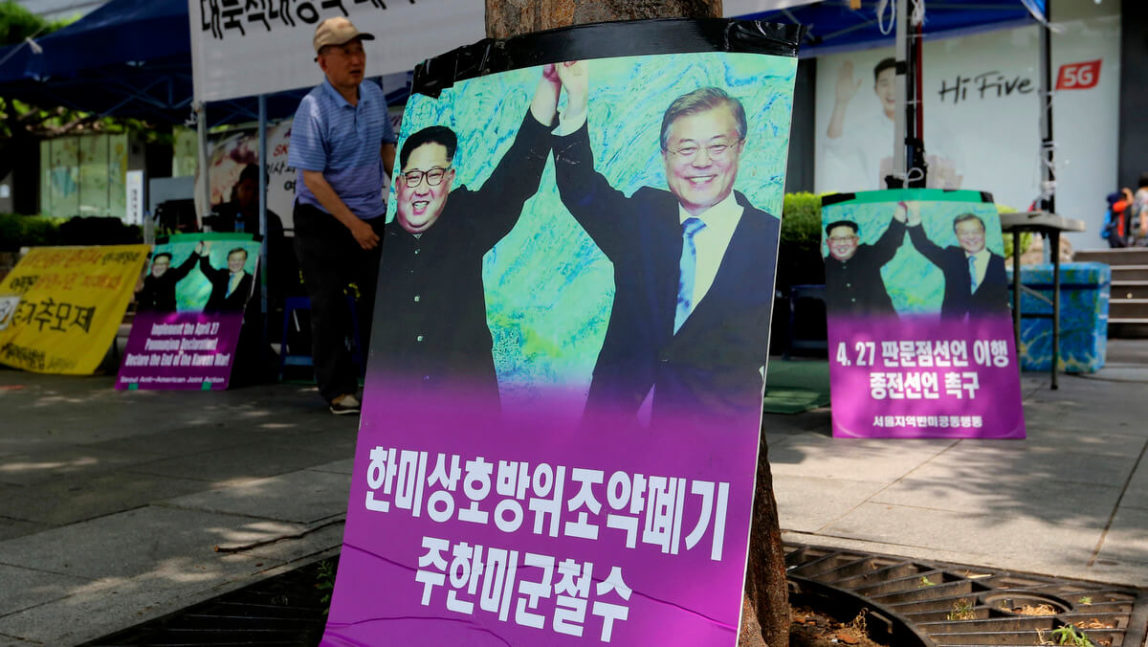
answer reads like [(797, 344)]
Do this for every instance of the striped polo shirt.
[(342, 141)]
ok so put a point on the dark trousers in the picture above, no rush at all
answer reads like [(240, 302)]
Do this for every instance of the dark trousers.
[(330, 258)]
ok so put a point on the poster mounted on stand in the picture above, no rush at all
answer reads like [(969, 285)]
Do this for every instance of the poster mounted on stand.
[(190, 309), (562, 407), (921, 338)]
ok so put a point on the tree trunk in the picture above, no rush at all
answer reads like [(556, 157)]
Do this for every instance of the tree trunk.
[(506, 18), (765, 607)]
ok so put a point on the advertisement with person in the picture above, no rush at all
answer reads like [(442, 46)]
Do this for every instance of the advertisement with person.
[(562, 406), (921, 338), (234, 155), (982, 114), (189, 311), (235, 158)]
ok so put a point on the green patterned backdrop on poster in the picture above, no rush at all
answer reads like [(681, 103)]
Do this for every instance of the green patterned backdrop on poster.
[(536, 343), (192, 291), (914, 284)]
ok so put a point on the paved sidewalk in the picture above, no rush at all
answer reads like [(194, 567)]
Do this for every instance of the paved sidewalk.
[(117, 507), (1069, 501)]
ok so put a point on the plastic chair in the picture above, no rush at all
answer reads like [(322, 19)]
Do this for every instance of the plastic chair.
[(291, 307)]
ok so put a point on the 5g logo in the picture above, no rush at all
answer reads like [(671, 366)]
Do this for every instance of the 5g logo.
[(1078, 76)]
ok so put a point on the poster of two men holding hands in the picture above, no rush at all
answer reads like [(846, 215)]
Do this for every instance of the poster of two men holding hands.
[(565, 407)]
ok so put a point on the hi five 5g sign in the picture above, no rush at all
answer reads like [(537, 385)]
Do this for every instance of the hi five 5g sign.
[(1078, 76)]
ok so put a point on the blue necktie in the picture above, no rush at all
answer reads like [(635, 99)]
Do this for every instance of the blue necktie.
[(686, 270), (972, 274)]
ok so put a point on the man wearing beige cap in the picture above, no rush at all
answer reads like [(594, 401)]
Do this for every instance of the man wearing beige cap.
[(341, 143)]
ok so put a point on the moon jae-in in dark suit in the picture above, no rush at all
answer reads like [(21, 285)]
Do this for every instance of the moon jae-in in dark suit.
[(991, 295), (220, 300), (711, 371), (158, 293)]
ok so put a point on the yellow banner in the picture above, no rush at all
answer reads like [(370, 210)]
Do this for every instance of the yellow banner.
[(60, 307)]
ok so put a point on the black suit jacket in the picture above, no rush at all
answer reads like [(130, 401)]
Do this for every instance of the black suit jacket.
[(855, 286), (220, 301), (992, 293), (158, 294), (430, 329), (710, 372)]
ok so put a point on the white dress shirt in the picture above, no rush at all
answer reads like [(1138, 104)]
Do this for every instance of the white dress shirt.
[(981, 264), (711, 242)]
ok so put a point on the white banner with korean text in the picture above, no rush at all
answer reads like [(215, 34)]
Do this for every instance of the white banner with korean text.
[(245, 48), (249, 47)]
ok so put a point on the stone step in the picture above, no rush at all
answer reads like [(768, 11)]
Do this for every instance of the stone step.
[(1114, 257), (1127, 328), (1129, 272), (1127, 309), (1129, 290)]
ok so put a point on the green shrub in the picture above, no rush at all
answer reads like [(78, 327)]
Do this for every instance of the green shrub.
[(801, 219), (18, 231), (799, 258), (97, 230), (799, 262), (1025, 236)]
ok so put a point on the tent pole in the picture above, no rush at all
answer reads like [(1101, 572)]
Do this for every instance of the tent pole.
[(901, 93), (918, 80), (204, 161), (1047, 144), (263, 272), (909, 167)]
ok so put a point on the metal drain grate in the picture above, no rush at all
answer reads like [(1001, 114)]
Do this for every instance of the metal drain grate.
[(286, 610), (955, 605)]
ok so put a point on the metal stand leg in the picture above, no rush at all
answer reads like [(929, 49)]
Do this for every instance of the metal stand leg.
[(1016, 289), (1054, 240)]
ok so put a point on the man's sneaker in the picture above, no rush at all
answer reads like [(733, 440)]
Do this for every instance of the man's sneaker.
[(345, 404)]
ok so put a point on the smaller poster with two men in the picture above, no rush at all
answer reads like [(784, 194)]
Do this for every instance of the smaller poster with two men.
[(190, 309), (920, 335)]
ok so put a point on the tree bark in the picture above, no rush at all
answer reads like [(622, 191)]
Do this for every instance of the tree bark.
[(506, 18), (765, 606)]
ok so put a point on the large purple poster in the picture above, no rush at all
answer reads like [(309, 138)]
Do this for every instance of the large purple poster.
[(563, 399), (189, 311), (920, 334)]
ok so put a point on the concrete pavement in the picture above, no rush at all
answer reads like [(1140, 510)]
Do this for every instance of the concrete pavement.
[(117, 507), (1069, 501)]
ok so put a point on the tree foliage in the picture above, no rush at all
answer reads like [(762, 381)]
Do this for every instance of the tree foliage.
[(21, 124), (17, 23), (18, 119)]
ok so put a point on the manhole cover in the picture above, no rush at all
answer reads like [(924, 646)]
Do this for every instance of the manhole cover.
[(963, 605)]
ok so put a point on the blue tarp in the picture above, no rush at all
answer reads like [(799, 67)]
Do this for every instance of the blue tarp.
[(834, 27), (129, 58), (132, 58), (119, 32)]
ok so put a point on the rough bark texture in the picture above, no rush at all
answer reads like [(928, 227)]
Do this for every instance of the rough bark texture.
[(765, 607), (506, 18), (765, 587)]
